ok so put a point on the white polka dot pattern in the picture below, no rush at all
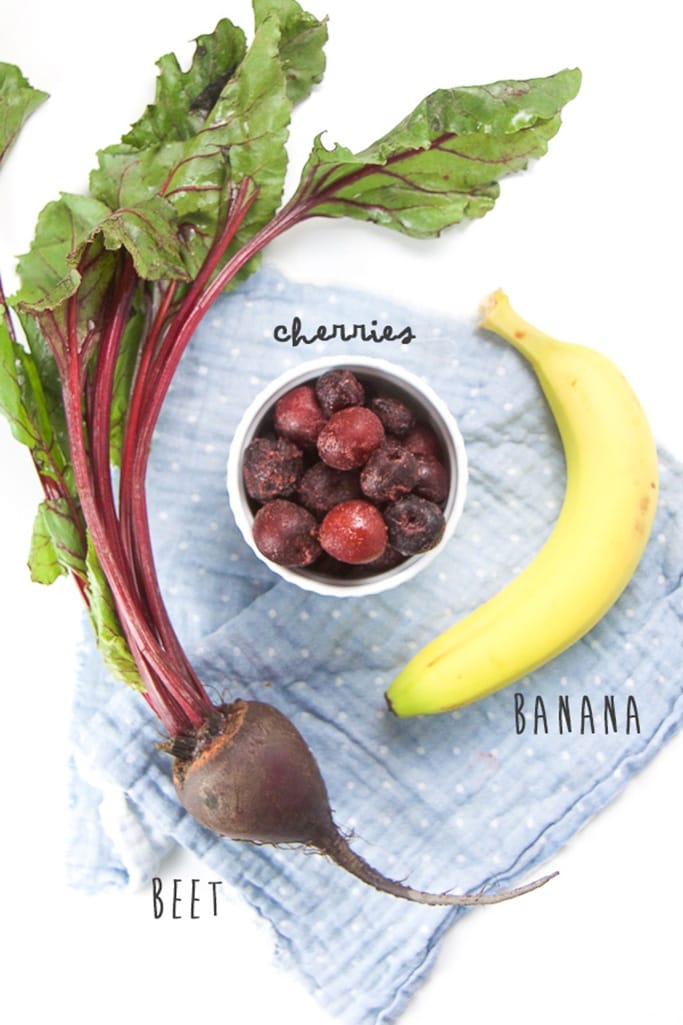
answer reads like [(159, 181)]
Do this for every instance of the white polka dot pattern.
[(457, 801)]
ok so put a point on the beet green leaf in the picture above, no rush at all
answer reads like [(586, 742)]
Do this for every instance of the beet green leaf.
[(185, 98), (180, 209), (18, 100), (56, 544), (442, 163)]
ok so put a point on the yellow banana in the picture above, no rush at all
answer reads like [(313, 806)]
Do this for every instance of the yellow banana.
[(592, 552)]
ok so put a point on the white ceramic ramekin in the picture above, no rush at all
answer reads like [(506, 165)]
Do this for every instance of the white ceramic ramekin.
[(394, 381)]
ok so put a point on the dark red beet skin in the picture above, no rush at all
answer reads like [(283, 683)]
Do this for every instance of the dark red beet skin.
[(248, 774), (252, 777)]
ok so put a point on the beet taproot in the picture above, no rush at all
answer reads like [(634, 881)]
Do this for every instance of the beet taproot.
[(248, 774)]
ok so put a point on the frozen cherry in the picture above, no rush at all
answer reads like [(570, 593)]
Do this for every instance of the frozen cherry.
[(286, 533), (349, 436), (397, 418), (298, 417), (389, 559), (415, 524), (390, 471), (374, 497), (271, 468), (322, 487), (422, 441), (336, 389), (432, 479), (354, 532)]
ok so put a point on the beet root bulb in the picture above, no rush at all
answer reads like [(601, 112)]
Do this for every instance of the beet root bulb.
[(252, 777), (248, 774)]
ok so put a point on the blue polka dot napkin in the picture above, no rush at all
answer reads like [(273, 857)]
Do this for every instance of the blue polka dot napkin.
[(463, 800)]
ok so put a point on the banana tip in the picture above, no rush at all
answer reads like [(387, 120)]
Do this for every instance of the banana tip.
[(489, 304), (389, 704)]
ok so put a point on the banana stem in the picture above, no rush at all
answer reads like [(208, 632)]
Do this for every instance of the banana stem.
[(498, 316)]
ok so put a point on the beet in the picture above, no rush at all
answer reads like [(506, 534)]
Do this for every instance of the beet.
[(251, 777), (248, 774)]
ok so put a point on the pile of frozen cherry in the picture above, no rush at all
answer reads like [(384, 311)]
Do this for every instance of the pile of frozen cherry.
[(345, 477)]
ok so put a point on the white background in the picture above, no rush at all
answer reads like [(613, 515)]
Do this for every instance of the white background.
[(588, 246)]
